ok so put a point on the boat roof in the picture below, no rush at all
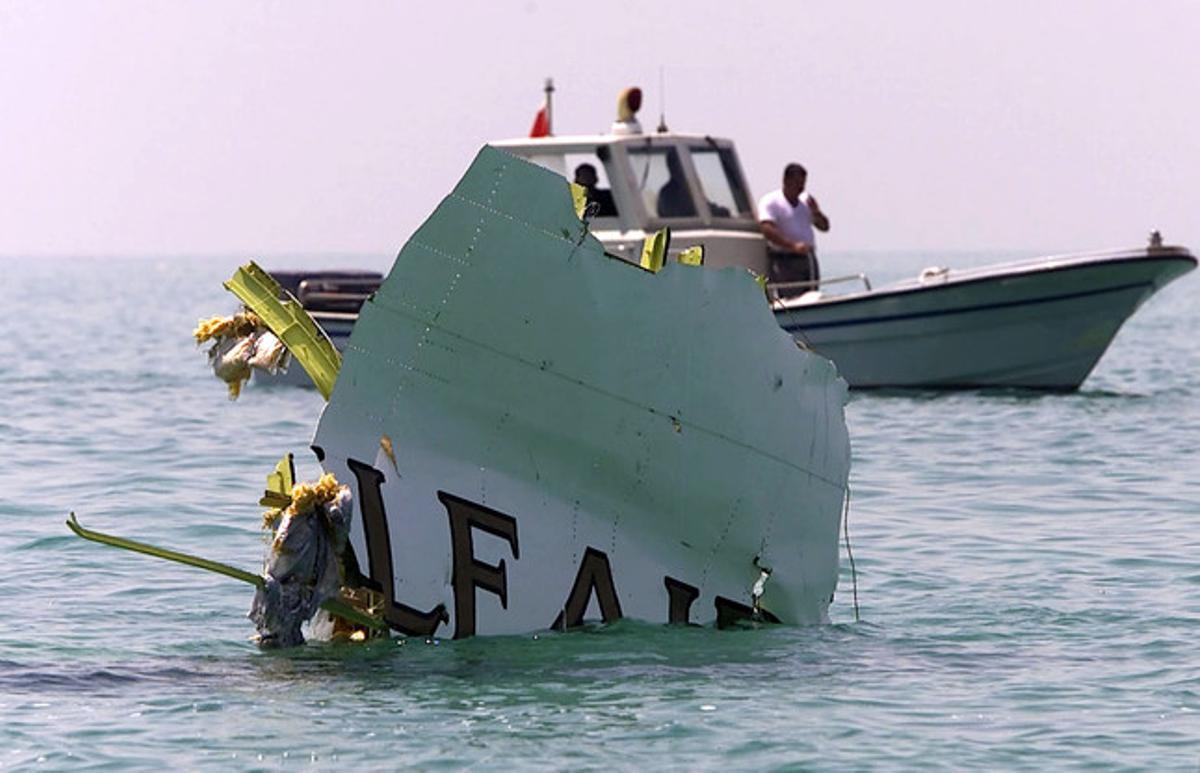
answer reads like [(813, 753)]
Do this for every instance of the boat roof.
[(639, 138), (678, 183)]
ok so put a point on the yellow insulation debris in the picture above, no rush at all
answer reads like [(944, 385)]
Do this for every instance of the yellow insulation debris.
[(240, 344), (239, 325), (306, 498)]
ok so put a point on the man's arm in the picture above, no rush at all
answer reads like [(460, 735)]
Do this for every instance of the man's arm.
[(771, 232), (819, 221)]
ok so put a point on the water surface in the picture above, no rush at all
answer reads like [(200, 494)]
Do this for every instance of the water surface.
[(1028, 576)]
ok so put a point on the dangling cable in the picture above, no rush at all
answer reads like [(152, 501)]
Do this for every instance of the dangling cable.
[(849, 552)]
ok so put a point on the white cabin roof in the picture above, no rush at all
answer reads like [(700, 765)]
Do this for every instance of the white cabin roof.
[(687, 182)]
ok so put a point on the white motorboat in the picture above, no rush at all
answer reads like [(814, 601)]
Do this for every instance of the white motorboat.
[(1041, 323)]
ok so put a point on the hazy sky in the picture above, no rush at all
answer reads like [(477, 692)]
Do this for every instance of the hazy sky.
[(275, 128)]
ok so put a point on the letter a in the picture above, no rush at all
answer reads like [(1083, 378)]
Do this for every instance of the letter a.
[(595, 575)]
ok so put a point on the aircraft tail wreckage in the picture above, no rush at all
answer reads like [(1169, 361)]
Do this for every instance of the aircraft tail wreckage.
[(536, 434)]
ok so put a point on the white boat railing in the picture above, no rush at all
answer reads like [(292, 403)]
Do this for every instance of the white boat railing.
[(775, 288)]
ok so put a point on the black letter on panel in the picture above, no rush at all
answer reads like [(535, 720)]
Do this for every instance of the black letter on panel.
[(595, 575), (399, 616), (469, 573), (730, 613), (681, 596)]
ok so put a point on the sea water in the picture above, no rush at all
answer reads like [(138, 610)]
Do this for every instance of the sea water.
[(1028, 576)]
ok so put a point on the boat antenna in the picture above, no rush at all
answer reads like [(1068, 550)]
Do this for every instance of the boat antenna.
[(549, 89), (662, 100)]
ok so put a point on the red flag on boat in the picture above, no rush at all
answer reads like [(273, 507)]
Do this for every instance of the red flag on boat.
[(541, 123)]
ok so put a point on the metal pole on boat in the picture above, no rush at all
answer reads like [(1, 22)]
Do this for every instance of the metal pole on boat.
[(549, 89)]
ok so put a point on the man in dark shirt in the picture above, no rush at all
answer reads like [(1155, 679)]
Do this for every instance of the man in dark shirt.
[(674, 198), (585, 175)]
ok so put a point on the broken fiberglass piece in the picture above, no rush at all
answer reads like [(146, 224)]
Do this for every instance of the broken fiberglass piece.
[(573, 437)]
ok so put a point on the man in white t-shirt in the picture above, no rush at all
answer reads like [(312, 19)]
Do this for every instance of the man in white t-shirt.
[(787, 218)]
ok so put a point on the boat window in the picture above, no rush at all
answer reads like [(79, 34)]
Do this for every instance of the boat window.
[(587, 170), (721, 183), (658, 176)]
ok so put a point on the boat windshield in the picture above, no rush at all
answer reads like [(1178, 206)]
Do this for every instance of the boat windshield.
[(586, 169), (722, 185), (658, 177)]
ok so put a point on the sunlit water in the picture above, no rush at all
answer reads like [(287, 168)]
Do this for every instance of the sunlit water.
[(1028, 574)]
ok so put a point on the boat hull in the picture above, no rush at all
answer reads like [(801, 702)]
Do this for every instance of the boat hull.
[(1040, 325)]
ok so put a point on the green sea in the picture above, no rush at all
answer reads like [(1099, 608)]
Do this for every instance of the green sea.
[(1027, 570)]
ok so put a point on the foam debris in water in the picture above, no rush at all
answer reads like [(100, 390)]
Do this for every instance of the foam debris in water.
[(241, 344), (302, 568)]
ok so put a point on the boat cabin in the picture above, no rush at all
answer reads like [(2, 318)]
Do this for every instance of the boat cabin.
[(692, 184)]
